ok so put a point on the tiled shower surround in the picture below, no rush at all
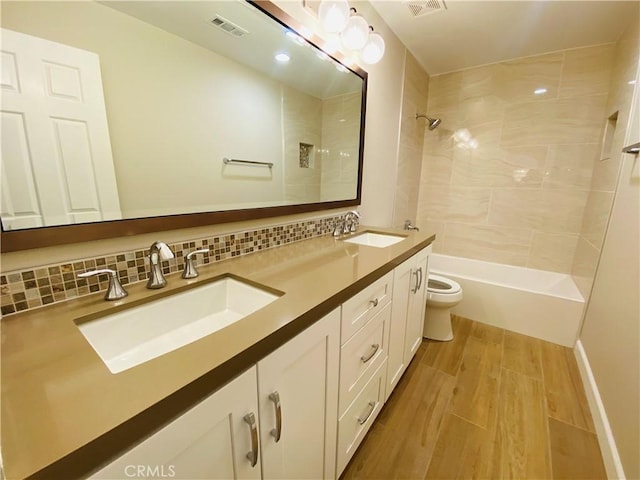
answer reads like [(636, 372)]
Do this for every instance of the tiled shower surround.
[(27, 289), (521, 196)]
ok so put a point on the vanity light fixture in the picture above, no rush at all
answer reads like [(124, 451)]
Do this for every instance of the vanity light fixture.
[(334, 15), (342, 25), (282, 57), (373, 50), (355, 34)]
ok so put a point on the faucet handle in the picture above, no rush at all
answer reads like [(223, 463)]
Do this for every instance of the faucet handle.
[(190, 270), (115, 291), (409, 226), (337, 227)]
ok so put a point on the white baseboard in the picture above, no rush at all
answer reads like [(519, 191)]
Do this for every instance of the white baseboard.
[(607, 443)]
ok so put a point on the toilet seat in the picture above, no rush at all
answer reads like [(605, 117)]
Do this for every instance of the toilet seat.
[(442, 285)]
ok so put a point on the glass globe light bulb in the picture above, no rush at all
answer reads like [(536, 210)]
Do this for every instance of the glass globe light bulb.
[(373, 50), (333, 15), (354, 35)]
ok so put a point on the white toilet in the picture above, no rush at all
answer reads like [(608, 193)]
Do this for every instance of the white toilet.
[(442, 294)]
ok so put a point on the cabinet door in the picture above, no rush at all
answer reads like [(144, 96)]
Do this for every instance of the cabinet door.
[(402, 279), (298, 401), (210, 441), (417, 303)]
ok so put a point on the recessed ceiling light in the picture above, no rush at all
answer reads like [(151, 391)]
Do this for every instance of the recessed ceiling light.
[(282, 57), (540, 91)]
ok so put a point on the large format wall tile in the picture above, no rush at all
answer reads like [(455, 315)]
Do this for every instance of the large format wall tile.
[(565, 120), (554, 211), (596, 215), (551, 251), (456, 204), (570, 166), (535, 157), (587, 70), (493, 244)]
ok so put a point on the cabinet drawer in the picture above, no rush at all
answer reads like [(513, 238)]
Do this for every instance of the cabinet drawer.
[(361, 356), (359, 417), (360, 308)]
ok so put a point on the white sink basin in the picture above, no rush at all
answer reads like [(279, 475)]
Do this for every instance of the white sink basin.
[(373, 239), (133, 336)]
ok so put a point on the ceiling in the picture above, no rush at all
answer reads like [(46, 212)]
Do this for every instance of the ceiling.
[(471, 33)]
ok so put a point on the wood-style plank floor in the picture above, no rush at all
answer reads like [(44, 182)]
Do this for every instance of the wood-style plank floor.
[(490, 404)]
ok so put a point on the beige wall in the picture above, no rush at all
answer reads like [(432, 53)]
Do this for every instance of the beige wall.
[(611, 330), (520, 196), (414, 101)]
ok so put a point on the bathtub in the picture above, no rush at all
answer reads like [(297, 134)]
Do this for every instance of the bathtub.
[(541, 304)]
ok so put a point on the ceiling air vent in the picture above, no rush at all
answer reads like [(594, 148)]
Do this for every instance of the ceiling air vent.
[(227, 26), (419, 8)]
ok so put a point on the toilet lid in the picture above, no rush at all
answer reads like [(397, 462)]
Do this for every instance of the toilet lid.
[(438, 284)]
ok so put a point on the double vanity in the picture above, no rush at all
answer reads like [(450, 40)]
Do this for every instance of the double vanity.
[(270, 365)]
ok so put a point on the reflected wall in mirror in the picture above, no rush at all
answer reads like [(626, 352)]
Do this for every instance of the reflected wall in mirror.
[(125, 110)]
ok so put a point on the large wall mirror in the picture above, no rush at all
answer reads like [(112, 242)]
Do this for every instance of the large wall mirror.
[(125, 117)]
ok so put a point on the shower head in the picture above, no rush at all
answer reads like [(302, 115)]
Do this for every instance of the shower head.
[(433, 122)]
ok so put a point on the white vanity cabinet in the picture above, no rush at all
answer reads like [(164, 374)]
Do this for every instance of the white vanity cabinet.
[(407, 312), (284, 410), (363, 355), (211, 440), (299, 382)]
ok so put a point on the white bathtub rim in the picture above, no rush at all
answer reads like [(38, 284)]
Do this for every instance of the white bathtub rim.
[(560, 278)]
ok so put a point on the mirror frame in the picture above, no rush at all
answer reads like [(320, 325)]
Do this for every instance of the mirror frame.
[(16, 240)]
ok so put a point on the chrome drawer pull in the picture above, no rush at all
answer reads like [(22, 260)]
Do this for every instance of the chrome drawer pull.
[(414, 290), (250, 418), (374, 349), (276, 432), (372, 407), (374, 302)]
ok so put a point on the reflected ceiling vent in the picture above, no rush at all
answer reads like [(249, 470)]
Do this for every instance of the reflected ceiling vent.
[(419, 8), (227, 26)]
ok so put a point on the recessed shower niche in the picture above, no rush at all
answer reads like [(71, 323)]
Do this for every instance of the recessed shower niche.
[(307, 155)]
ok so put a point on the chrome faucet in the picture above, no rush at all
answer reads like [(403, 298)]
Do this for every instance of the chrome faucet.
[(158, 252), (409, 226), (351, 221), (115, 291), (190, 270)]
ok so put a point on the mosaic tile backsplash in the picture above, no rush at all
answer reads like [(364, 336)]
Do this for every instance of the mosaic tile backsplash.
[(36, 287)]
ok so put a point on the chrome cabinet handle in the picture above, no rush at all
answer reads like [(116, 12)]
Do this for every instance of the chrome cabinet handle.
[(362, 420), (250, 418), (276, 432), (417, 286), (374, 349), (420, 284), (374, 302)]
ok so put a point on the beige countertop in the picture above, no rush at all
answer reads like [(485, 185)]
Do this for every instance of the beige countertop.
[(64, 412)]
